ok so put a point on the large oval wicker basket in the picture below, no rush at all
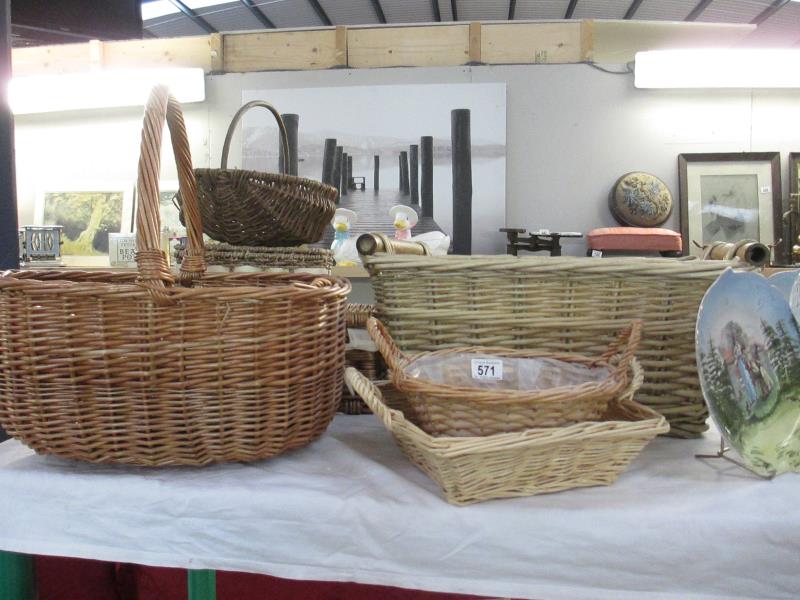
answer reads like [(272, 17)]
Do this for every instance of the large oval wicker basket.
[(119, 368), (252, 208)]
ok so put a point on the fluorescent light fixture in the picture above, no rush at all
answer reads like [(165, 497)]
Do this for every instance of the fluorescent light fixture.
[(707, 68), (101, 89)]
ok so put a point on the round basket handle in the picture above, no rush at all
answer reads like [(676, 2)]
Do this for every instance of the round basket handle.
[(281, 128), (150, 258), (386, 346), (625, 346)]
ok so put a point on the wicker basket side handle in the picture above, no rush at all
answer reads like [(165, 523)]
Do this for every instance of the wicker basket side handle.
[(386, 346), (281, 128), (150, 258), (624, 347), (372, 397)]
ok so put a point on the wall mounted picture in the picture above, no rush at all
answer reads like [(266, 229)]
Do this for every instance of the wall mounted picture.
[(794, 203), (748, 357), (388, 122), (730, 196), (87, 213)]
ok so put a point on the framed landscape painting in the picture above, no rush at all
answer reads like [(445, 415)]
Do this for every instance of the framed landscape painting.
[(731, 196), (87, 213)]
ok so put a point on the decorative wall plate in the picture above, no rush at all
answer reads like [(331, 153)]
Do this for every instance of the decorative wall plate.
[(784, 281), (748, 356), (640, 200)]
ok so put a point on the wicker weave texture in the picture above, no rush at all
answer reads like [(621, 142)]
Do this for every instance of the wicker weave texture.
[(558, 304), (279, 258), (115, 368), (251, 208), (524, 463), (459, 411)]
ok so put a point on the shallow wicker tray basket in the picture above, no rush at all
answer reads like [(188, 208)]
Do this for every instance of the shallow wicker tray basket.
[(534, 461), (135, 369), (561, 304)]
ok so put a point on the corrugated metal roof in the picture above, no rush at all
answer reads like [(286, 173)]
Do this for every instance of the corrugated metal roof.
[(781, 29), (407, 11), (658, 10), (601, 9), (483, 10), (290, 13), (541, 9), (232, 16), (733, 11), (352, 12)]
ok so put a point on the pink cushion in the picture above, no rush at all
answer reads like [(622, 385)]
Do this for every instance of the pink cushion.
[(635, 238)]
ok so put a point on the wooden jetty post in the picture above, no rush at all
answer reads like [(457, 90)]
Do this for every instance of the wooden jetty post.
[(343, 180), (336, 175), (376, 177), (426, 174), (404, 187), (350, 172), (292, 124), (413, 180), (328, 158), (462, 180)]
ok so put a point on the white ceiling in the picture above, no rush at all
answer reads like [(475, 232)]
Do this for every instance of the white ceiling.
[(778, 20)]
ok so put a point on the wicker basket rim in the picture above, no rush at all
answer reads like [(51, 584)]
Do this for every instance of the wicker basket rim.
[(82, 282), (475, 265), (296, 179)]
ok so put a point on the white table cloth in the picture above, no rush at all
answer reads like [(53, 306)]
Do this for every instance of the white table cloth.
[(350, 507)]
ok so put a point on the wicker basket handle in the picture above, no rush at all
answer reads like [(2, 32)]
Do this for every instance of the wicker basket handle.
[(372, 397), (281, 128), (625, 346), (386, 346), (150, 258)]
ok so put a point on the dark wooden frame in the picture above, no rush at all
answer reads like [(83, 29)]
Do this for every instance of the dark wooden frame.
[(774, 158), (793, 204)]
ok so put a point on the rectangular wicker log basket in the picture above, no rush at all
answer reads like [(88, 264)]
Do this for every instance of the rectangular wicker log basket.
[(560, 304)]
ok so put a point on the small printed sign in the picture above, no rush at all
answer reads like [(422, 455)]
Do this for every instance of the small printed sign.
[(487, 369), (765, 189), (597, 254), (122, 249)]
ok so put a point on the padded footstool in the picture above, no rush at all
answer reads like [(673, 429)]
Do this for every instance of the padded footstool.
[(636, 239)]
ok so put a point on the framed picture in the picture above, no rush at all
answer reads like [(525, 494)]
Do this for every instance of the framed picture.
[(730, 196), (88, 212), (168, 212), (794, 204)]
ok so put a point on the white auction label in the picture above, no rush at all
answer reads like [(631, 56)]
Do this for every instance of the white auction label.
[(486, 368), (765, 189)]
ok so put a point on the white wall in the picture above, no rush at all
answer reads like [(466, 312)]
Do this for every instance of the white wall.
[(572, 130)]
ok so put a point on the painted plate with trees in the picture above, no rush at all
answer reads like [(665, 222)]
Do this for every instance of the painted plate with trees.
[(748, 357)]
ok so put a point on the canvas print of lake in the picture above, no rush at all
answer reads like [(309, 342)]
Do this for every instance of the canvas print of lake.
[(748, 356), (383, 121)]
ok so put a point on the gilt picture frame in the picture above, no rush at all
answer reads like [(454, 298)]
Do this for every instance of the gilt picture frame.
[(731, 196)]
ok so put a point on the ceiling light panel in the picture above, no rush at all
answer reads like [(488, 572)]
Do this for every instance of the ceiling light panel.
[(292, 13), (601, 9), (658, 10), (351, 12), (733, 11), (541, 9), (483, 10)]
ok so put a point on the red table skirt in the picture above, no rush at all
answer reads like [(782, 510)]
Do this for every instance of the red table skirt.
[(77, 579)]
